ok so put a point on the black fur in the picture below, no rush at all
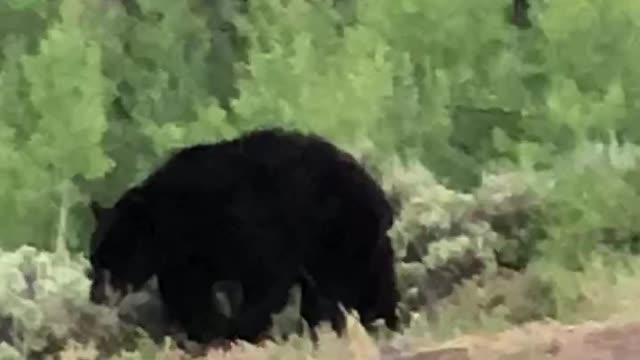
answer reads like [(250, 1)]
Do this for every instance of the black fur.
[(268, 209)]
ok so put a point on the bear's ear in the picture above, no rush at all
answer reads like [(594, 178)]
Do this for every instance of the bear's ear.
[(96, 209)]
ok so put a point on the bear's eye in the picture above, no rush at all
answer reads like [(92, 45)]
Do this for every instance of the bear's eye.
[(89, 273)]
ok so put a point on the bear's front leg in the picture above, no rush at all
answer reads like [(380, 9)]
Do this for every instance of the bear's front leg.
[(187, 294)]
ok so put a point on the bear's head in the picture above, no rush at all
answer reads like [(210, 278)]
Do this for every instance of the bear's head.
[(121, 249)]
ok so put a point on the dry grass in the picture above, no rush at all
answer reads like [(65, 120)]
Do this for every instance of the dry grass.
[(356, 344), (609, 292)]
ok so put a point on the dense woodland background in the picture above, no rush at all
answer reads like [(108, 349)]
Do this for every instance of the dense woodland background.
[(505, 133)]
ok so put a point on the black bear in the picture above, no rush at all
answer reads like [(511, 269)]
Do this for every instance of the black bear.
[(267, 210)]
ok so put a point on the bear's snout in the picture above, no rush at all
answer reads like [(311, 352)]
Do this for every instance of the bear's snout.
[(103, 292), (97, 293)]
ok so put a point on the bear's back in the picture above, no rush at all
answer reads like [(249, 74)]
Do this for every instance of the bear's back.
[(269, 159)]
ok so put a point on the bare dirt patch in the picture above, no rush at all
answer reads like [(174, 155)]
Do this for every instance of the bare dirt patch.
[(589, 341)]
